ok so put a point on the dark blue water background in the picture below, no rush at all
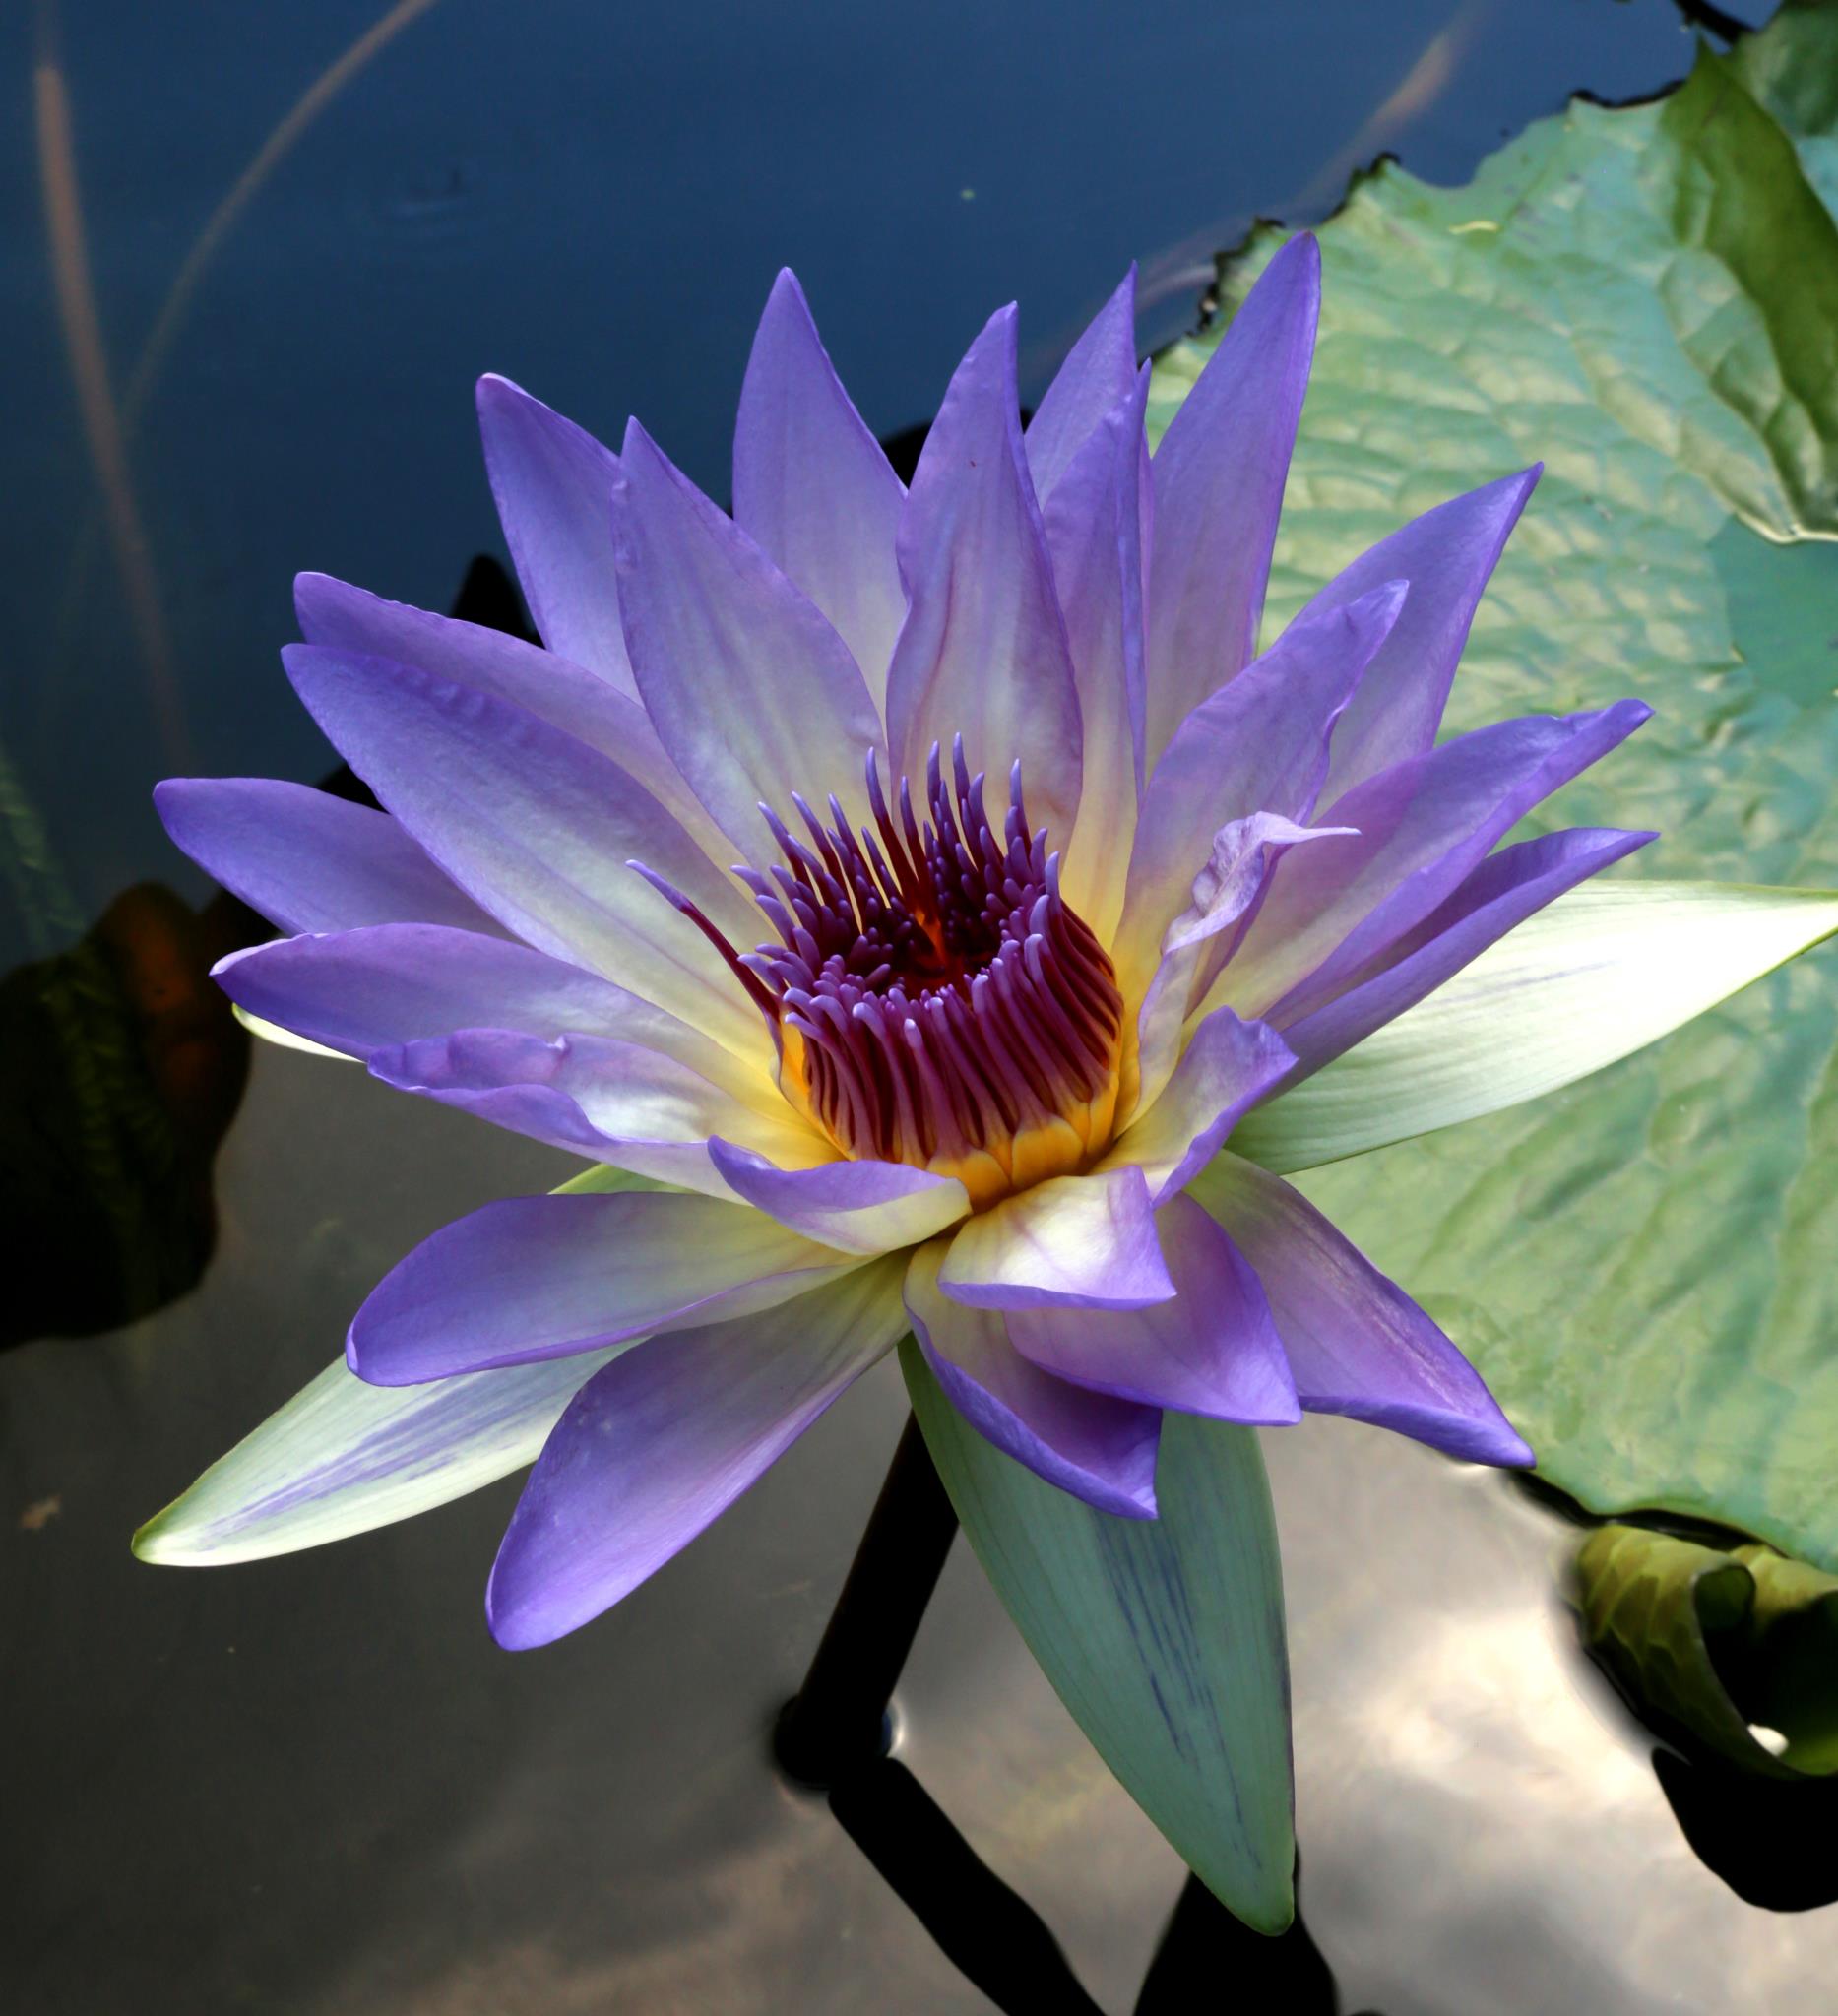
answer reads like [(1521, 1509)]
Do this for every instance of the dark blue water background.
[(593, 198)]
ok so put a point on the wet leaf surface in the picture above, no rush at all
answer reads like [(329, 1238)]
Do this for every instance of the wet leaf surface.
[(1642, 299)]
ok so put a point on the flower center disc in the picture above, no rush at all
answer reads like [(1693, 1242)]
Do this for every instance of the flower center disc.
[(935, 1001)]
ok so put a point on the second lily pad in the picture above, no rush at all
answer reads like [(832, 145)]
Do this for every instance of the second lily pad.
[(1736, 1649)]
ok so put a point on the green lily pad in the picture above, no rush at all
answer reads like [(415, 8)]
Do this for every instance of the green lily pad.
[(1718, 1646), (1647, 301)]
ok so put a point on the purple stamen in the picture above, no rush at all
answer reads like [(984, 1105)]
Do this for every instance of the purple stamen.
[(945, 995)]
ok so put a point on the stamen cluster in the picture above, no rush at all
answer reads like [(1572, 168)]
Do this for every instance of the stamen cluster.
[(935, 999)]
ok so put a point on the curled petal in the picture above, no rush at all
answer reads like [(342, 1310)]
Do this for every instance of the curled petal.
[(1227, 894), (1226, 1068), (1099, 1448), (1260, 745), (370, 990), (1212, 1350), (860, 1207), (666, 1438), (1085, 1243), (620, 1102)]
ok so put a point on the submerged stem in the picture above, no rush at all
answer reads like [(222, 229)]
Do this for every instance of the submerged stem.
[(838, 1720)]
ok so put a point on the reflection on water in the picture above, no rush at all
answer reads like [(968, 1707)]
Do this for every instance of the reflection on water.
[(270, 325), (121, 1069)]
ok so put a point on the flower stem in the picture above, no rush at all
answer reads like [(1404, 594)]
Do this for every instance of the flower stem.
[(838, 1720)]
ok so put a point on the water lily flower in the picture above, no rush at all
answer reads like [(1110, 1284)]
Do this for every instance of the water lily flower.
[(936, 924), (920, 892)]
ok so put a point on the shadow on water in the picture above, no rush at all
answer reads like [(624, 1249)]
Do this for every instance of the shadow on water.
[(998, 1942), (1775, 1843), (836, 1734)]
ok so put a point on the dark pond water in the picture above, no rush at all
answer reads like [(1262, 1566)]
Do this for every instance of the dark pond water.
[(256, 257)]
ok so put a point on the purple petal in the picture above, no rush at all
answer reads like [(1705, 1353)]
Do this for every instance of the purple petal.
[(554, 485), (532, 1278), (812, 488), (618, 1103), (751, 691), (1226, 1068), (1098, 376), (367, 990), (1419, 829), (579, 703), (1499, 895), (1084, 1242), (1227, 893), (664, 1439), (860, 1207), (982, 652), (1094, 523), (1258, 745), (1213, 1350), (1096, 1447), (1355, 1342), (539, 829), (306, 860), (1447, 555), (1219, 475)]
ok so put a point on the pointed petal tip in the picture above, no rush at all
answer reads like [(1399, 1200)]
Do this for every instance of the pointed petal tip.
[(1386, 600), (494, 392), (298, 659), (355, 1355), (1003, 328), (1302, 250), (508, 1631), (512, 1627)]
